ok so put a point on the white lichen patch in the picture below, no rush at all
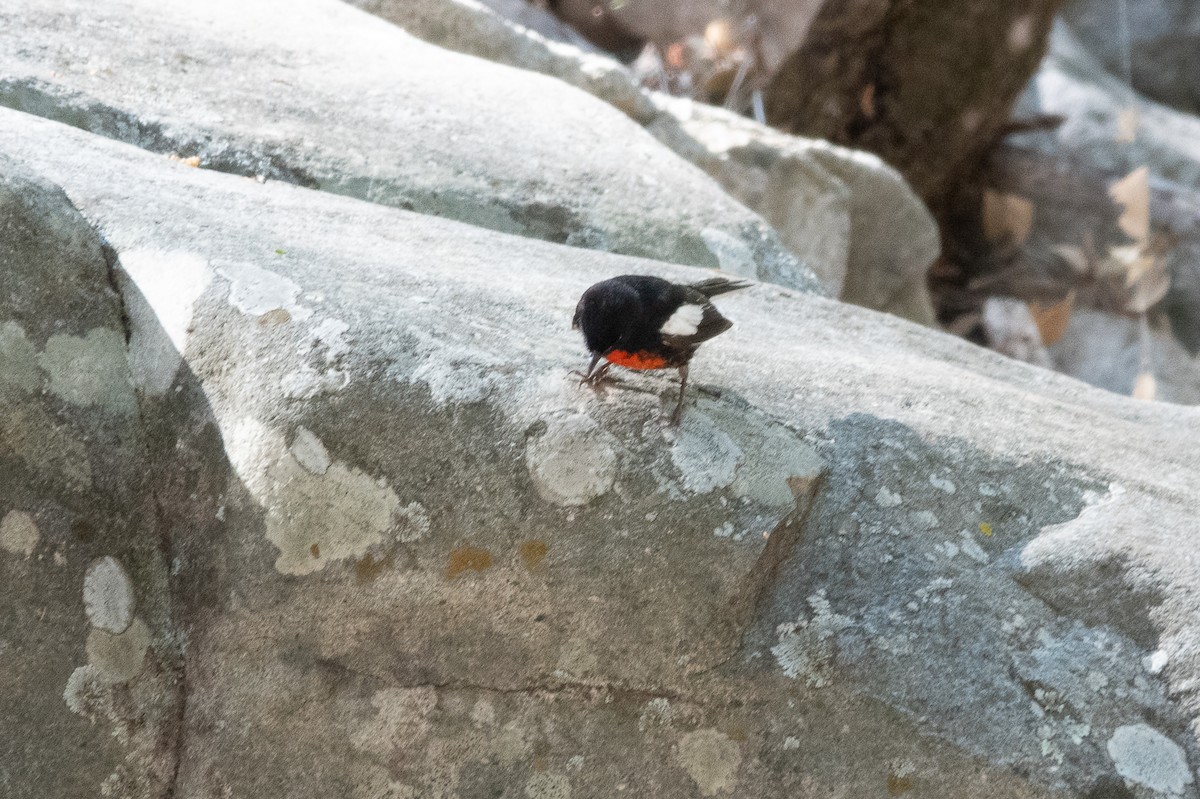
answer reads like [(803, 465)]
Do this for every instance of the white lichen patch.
[(328, 335), (1155, 662), (807, 649), (887, 499), (317, 518), (711, 759), (119, 658), (483, 714), (656, 713), (573, 461), (108, 598), (166, 288), (1144, 755), (459, 375), (706, 457), (400, 723), (90, 370), (82, 690), (18, 360), (972, 549), (314, 519), (308, 450), (924, 520), (942, 484), (375, 782), (576, 660), (547, 785), (791, 743), (19, 533), (307, 382), (774, 464), (254, 291)]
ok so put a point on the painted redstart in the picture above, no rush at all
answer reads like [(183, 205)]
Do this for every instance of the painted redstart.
[(642, 322)]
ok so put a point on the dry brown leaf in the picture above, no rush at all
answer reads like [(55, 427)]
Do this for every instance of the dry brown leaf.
[(1075, 257), (1051, 320), (1145, 387), (866, 101), (1006, 217), (1127, 125), (1132, 192)]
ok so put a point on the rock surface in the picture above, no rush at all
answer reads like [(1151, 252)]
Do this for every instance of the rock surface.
[(846, 214), (310, 506), (1073, 83), (1163, 46), (411, 558), (317, 93), (89, 666)]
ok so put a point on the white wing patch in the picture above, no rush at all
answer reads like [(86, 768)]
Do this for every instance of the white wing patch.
[(685, 321)]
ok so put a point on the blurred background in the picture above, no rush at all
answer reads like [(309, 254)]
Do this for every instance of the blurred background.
[(1056, 144)]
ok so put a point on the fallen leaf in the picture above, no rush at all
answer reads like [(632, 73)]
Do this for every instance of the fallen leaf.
[(1052, 319), (675, 56), (1145, 275), (1075, 257), (1132, 192), (1127, 125), (1006, 217), (1145, 387), (866, 101)]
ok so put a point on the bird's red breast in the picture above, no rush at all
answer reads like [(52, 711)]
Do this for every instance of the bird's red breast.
[(642, 359)]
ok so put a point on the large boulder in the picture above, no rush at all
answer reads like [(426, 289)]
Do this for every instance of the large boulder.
[(846, 214), (89, 651), (317, 93), (409, 556)]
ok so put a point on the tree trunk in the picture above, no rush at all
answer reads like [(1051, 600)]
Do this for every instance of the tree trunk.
[(926, 84)]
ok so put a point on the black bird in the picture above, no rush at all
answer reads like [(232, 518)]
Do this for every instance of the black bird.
[(644, 322)]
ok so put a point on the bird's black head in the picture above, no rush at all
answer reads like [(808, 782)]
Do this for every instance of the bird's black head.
[(605, 313)]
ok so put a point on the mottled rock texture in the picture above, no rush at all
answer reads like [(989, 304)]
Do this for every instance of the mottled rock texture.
[(847, 215), (300, 500), (322, 95)]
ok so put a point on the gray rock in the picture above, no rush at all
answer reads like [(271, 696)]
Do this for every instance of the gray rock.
[(1105, 350), (848, 215), (1073, 84), (317, 93), (1163, 48), (412, 558), (845, 214), (77, 536)]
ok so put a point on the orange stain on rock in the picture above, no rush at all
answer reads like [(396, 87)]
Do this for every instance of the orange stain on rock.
[(315, 549), (532, 553), (468, 558), (370, 567), (636, 360)]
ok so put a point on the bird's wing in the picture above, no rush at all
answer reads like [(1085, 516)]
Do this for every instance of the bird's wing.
[(694, 323)]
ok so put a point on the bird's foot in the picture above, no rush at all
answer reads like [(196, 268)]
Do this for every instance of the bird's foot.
[(595, 380)]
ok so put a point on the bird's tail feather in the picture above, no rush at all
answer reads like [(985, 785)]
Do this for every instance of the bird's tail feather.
[(719, 285)]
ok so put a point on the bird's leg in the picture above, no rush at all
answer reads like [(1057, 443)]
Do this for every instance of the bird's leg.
[(593, 377), (678, 414)]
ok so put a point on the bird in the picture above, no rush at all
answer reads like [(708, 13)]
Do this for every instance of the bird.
[(643, 322)]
